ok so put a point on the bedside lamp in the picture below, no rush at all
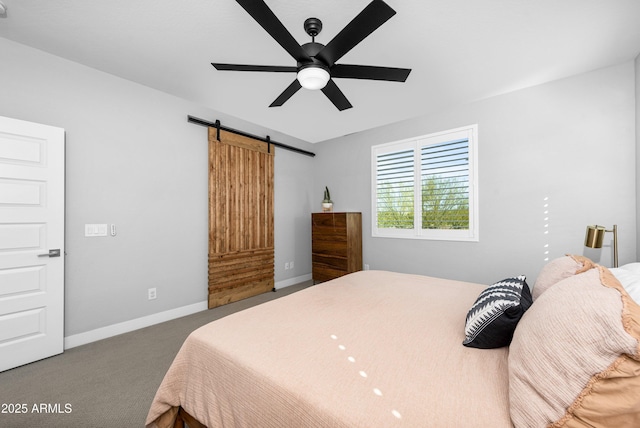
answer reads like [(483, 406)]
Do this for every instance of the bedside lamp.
[(595, 235)]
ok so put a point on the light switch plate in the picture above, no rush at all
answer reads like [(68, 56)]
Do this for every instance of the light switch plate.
[(92, 230)]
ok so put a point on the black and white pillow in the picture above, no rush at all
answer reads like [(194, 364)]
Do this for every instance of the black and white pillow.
[(492, 319)]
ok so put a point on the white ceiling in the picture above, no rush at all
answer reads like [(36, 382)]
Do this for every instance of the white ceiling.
[(459, 51)]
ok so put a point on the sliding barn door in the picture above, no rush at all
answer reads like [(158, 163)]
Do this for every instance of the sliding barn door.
[(240, 217)]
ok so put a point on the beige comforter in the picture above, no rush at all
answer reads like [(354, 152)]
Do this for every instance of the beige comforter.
[(370, 349)]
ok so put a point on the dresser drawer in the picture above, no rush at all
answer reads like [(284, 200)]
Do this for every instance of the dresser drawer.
[(335, 248), (321, 274), (333, 262), (327, 221), (329, 233)]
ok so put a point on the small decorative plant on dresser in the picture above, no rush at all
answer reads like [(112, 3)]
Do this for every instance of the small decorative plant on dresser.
[(336, 247), (327, 203)]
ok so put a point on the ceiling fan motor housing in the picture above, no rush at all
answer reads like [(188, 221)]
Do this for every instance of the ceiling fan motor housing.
[(312, 49)]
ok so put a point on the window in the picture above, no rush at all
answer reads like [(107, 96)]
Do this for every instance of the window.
[(426, 187)]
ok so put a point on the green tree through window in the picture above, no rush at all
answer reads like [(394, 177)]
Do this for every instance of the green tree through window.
[(445, 185), (395, 206)]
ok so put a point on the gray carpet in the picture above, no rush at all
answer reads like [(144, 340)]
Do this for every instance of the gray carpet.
[(109, 383)]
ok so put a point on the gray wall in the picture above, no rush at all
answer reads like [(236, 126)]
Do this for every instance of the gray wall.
[(294, 201), (135, 161), (569, 144)]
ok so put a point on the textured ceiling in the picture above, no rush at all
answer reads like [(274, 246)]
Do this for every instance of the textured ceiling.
[(459, 51)]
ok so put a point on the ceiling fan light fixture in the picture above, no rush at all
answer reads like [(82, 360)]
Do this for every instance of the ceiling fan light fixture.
[(313, 77)]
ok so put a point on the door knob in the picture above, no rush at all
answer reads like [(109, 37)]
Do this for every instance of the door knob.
[(51, 253)]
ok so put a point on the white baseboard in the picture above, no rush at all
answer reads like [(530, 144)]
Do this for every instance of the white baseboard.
[(135, 324), (149, 320), (292, 281)]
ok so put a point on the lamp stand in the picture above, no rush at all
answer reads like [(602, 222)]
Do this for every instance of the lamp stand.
[(615, 245)]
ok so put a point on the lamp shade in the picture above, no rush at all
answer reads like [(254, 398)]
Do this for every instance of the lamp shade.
[(594, 236), (313, 77)]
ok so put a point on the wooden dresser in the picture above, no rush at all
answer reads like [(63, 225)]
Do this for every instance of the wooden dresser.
[(336, 247)]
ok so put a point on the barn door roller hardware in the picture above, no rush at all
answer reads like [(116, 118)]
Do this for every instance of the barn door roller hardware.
[(267, 140)]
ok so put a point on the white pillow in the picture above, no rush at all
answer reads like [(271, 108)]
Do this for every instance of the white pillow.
[(631, 267), (629, 277)]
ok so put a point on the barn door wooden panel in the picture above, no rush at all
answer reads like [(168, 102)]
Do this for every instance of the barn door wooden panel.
[(241, 249)]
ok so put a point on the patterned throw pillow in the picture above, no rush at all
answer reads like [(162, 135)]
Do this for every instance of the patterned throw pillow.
[(492, 319)]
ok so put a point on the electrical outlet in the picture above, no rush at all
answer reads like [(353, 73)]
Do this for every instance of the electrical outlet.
[(152, 293), (366, 267), (286, 266), (291, 265)]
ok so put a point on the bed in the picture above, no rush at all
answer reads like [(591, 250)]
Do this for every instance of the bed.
[(369, 349)]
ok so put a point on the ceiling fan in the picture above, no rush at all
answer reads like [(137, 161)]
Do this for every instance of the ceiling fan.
[(316, 63)]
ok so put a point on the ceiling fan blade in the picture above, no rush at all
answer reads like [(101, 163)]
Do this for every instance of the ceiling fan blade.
[(336, 96), (367, 21), (242, 67), (370, 72), (287, 93), (268, 20)]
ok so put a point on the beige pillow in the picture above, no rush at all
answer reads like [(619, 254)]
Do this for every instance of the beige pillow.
[(559, 269), (575, 356)]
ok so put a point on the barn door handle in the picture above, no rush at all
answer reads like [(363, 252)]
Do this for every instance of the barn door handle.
[(51, 253)]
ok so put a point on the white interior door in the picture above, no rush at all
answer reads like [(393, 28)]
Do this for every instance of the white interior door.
[(31, 242)]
